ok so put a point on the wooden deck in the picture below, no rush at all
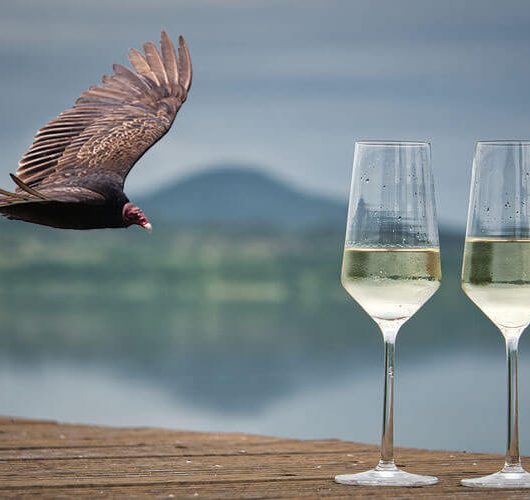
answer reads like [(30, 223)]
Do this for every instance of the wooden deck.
[(51, 460)]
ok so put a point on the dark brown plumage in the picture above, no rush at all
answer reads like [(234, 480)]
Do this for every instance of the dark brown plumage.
[(73, 175)]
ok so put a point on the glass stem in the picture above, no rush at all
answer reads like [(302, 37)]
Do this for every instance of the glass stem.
[(389, 330), (513, 460)]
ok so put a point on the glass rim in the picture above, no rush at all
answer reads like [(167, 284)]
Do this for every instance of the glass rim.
[(505, 142), (392, 143)]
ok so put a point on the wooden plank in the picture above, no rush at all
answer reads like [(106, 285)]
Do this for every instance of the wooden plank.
[(52, 460), (255, 490), (179, 450), (17, 434)]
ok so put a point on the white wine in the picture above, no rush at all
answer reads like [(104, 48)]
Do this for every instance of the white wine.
[(496, 277), (391, 283)]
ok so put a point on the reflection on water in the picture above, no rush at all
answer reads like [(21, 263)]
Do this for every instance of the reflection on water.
[(452, 402), (237, 332)]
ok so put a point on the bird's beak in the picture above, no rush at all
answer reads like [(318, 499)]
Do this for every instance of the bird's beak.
[(147, 226)]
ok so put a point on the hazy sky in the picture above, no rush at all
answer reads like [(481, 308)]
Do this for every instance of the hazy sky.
[(285, 85)]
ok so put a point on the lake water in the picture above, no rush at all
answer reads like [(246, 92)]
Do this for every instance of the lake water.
[(238, 331), (455, 401)]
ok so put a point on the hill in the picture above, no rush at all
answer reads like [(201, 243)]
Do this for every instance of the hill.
[(228, 195)]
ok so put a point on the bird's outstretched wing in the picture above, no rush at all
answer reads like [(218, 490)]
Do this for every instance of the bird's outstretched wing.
[(110, 126)]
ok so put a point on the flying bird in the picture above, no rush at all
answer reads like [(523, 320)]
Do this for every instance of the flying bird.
[(73, 175)]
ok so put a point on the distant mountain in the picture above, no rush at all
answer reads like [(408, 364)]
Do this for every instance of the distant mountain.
[(246, 196)]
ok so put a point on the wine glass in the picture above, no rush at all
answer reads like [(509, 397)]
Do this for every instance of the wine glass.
[(391, 264), (496, 270)]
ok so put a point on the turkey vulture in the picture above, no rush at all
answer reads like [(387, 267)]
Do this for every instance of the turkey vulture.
[(72, 177)]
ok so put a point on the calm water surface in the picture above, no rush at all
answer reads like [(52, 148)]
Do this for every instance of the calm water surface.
[(238, 332), (450, 402)]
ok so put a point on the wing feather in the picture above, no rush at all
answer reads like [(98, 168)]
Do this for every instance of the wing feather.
[(184, 64), (155, 63), (169, 56), (125, 79), (140, 64), (110, 126)]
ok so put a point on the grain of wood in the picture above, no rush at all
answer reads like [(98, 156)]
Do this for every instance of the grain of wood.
[(50, 460)]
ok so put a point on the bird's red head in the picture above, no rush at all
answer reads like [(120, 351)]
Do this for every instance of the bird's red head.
[(132, 214)]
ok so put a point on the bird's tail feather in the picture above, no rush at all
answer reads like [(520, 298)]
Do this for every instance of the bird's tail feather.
[(26, 188), (7, 198), (24, 195)]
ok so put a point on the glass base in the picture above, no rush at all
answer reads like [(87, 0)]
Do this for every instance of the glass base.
[(386, 475), (511, 476)]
